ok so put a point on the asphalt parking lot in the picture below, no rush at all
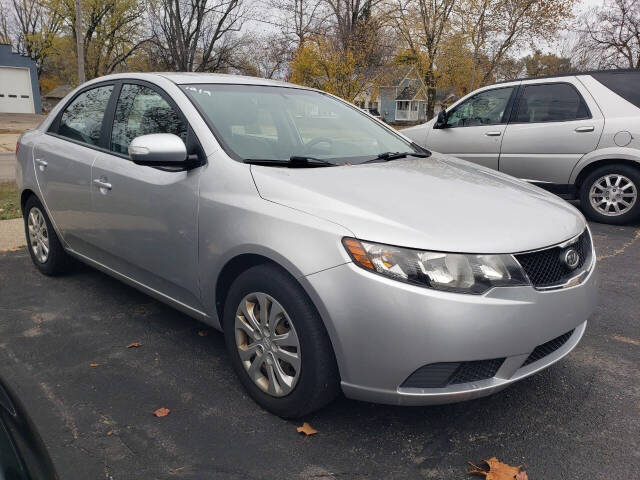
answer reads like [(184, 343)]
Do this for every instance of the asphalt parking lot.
[(580, 419)]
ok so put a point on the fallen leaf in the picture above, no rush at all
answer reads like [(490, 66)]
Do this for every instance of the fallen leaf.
[(499, 471), (109, 433), (203, 333), (306, 429), (14, 249), (630, 341), (173, 471), (134, 345), (162, 412), (94, 365)]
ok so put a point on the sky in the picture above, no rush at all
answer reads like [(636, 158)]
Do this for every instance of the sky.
[(254, 23)]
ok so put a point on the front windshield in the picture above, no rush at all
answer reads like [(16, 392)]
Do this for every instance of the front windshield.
[(277, 123)]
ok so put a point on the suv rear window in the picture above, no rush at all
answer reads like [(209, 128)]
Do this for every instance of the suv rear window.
[(625, 84)]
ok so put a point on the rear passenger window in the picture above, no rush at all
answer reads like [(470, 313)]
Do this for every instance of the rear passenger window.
[(82, 119), (553, 102), (141, 111)]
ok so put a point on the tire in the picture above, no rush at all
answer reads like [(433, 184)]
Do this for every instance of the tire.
[(316, 380), (56, 261), (629, 182)]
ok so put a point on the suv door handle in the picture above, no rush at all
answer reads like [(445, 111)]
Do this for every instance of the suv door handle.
[(589, 128), (102, 184), (493, 134), (42, 163)]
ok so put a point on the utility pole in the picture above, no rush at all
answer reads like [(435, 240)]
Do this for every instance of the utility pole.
[(79, 43)]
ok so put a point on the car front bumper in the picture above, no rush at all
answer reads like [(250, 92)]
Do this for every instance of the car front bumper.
[(383, 330)]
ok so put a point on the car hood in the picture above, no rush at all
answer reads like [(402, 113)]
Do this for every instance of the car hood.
[(437, 203)]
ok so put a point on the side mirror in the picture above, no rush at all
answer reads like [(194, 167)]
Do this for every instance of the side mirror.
[(158, 150), (442, 119)]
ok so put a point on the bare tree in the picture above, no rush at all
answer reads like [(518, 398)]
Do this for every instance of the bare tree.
[(474, 19), (196, 35), (298, 19), (106, 33), (31, 25), (350, 17), (265, 56), (497, 28), (611, 35), (79, 43), (424, 25), (5, 37)]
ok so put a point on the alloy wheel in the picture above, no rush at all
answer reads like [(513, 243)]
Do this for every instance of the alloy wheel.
[(267, 344), (613, 195), (38, 234)]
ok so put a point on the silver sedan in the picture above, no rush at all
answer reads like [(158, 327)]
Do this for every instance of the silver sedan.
[(333, 252)]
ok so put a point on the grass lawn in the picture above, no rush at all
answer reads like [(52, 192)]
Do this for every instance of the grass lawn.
[(9, 201)]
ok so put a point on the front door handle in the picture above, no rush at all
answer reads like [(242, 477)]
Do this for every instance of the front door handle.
[(493, 134), (102, 184), (589, 128), (42, 163)]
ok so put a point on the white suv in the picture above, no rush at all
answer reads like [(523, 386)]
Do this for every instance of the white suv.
[(575, 135)]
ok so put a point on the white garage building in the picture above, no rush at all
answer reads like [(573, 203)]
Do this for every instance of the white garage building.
[(19, 91)]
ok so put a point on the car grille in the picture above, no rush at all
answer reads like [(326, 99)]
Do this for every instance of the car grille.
[(440, 375), (545, 268), (547, 348)]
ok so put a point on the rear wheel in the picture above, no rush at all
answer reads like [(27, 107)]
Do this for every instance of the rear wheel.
[(278, 345), (609, 194), (45, 249)]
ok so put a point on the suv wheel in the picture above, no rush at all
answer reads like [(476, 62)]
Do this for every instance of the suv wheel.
[(609, 194), (44, 247), (278, 345)]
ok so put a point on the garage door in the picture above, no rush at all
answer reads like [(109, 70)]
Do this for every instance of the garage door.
[(15, 90)]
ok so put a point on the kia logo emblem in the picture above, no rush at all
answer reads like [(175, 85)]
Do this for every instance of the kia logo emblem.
[(571, 258)]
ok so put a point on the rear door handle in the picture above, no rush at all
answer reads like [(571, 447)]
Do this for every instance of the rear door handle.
[(42, 163), (589, 128), (102, 184), (493, 134)]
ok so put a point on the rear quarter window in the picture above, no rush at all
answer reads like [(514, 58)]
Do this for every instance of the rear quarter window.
[(625, 84)]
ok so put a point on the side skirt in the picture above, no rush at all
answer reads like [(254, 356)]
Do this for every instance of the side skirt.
[(186, 309)]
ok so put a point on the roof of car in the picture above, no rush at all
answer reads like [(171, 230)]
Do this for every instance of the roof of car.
[(193, 77), (571, 74), (185, 78)]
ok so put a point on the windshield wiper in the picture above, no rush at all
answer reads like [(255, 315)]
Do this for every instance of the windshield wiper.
[(295, 161), (386, 156)]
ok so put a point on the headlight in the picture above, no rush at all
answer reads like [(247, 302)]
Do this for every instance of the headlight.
[(452, 272)]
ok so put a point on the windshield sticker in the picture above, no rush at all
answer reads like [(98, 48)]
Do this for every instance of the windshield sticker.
[(200, 91)]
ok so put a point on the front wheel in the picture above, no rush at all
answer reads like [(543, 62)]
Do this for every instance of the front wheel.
[(277, 342), (609, 194)]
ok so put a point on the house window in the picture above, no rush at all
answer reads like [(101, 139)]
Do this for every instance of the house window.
[(373, 105), (414, 106), (403, 105)]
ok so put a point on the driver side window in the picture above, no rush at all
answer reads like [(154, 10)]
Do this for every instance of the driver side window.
[(485, 108), (140, 111)]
